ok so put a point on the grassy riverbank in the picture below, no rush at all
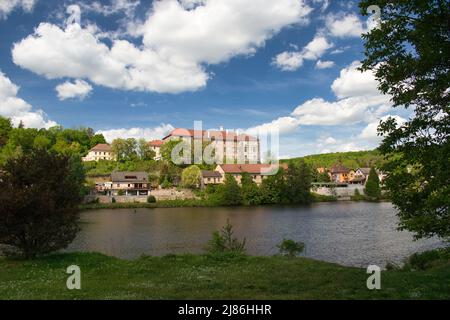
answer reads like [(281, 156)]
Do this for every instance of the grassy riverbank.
[(175, 203), (209, 277)]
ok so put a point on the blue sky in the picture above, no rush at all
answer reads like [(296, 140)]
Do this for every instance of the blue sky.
[(138, 68)]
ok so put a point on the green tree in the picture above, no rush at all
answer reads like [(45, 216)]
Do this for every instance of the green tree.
[(372, 188), (191, 176), (230, 192), (39, 197), (250, 191), (125, 149), (144, 150), (5, 129), (96, 139), (298, 180), (273, 188), (410, 53)]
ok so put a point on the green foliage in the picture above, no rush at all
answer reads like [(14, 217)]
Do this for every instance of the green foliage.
[(120, 192), (39, 196), (354, 160), (5, 129), (429, 259), (298, 183), (190, 178), (125, 149), (166, 184), (373, 188), (97, 139), (291, 248), (113, 200), (250, 192), (151, 199), (230, 192), (144, 151), (410, 54), (223, 241), (273, 188)]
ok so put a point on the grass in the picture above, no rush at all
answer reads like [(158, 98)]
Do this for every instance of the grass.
[(218, 277)]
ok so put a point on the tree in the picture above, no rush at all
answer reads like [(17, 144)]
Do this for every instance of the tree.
[(273, 188), (144, 150), (96, 139), (410, 52), (39, 196), (373, 189), (298, 180), (5, 129), (250, 191), (230, 192), (191, 176), (125, 149)]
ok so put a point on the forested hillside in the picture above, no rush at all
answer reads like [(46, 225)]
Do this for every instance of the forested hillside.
[(352, 160)]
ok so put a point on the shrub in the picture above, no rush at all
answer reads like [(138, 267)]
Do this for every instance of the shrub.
[(166, 184), (120, 193), (39, 197), (428, 259), (190, 178), (223, 241), (373, 188), (291, 248), (151, 199), (113, 200)]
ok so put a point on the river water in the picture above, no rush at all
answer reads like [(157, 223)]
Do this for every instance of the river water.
[(348, 233)]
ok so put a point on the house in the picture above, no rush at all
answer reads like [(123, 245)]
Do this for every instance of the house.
[(101, 151), (364, 173), (210, 177), (156, 145), (130, 183), (228, 145), (339, 173), (258, 172)]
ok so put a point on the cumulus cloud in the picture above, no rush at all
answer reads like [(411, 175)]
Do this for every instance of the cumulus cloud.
[(177, 44), (345, 26), (18, 109), (324, 64), (353, 82), (78, 89), (7, 6), (292, 60), (147, 133)]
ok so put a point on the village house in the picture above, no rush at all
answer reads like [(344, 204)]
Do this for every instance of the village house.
[(156, 145), (258, 172), (101, 151), (339, 173), (228, 145), (130, 184), (210, 177)]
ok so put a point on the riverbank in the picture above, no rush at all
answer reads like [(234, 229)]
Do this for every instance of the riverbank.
[(189, 203), (219, 277)]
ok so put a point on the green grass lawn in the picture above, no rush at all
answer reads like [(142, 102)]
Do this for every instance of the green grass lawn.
[(208, 277)]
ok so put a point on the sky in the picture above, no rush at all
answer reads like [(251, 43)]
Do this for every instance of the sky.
[(139, 68)]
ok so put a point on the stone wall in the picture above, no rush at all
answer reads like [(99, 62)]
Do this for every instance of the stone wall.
[(340, 192), (159, 194)]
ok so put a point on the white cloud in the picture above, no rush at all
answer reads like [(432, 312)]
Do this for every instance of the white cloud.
[(292, 60), (345, 26), (79, 89), (19, 110), (371, 131), (7, 6), (177, 44), (284, 125), (353, 82), (324, 64), (288, 60), (137, 133), (116, 6)]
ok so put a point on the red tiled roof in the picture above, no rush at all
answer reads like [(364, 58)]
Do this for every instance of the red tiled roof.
[(102, 147), (251, 168), (208, 134), (156, 143), (339, 168)]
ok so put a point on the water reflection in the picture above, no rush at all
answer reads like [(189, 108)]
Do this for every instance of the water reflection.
[(348, 233)]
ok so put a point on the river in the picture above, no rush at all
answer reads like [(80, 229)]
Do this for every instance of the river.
[(348, 233)]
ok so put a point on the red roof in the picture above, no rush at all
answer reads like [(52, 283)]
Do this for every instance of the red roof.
[(102, 147), (208, 134), (156, 143), (339, 168), (251, 168)]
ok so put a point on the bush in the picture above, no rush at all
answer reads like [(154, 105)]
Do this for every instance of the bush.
[(120, 193), (428, 259), (39, 197), (373, 188), (151, 199), (291, 248), (113, 200), (224, 242), (166, 184)]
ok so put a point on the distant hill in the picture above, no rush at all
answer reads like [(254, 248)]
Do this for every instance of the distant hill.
[(352, 160)]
